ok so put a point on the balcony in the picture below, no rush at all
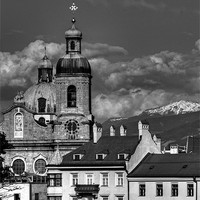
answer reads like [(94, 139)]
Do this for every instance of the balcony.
[(87, 190)]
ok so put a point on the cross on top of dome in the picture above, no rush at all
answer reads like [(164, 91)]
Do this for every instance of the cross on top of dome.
[(73, 7)]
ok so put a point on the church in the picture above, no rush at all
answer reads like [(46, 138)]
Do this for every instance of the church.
[(53, 113)]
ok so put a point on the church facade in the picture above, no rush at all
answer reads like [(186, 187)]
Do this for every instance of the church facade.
[(56, 111)]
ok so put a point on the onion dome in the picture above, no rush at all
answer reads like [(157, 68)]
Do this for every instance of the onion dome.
[(41, 98), (72, 64), (45, 70), (73, 32)]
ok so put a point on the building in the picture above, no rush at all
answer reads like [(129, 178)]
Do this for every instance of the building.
[(55, 110), (99, 168), (166, 176)]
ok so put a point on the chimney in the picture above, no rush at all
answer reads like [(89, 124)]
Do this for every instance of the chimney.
[(112, 131), (97, 132), (123, 130), (158, 142), (142, 127)]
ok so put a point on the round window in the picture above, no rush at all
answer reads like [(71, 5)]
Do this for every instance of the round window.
[(40, 166), (18, 166)]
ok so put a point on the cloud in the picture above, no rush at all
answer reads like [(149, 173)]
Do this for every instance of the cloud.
[(197, 44), (129, 102), (165, 70), (119, 88), (101, 50), (20, 68)]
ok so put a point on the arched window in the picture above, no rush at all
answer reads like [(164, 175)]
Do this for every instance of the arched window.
[(71, 96), (18, 166), (72, 44), (41, 104), (18, 125), (40, 166)]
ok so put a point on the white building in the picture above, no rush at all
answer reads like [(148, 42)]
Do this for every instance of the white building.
[(166, 176), (99, 168)]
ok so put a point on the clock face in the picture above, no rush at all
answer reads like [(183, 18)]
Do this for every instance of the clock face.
[(72, 128)]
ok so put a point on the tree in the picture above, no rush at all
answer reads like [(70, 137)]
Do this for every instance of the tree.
[(4, 171)]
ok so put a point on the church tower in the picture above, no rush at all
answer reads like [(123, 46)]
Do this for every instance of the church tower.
[(73, 90)]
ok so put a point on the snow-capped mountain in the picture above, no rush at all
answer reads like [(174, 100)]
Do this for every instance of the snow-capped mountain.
[(176, 108)]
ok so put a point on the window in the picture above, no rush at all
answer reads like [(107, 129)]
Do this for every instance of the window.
[(120, 197), (100, 156), (174, 190), (40, 166), (74, 178), (121, 156), (18, 166), (71, 96), (119, 179), (74, 198), (89, 179), (104, 197), (54, 198), (41, 104), (104, 179), (42, 121), (36, 196), (16, 196), (77, 156), (190, 190), (72, 45), (54, 180), (159, 190), (18, 125), (142, 190)]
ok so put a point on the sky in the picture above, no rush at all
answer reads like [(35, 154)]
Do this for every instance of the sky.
[(143, 53)]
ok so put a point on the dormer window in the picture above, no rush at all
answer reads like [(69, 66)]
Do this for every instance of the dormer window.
[(100, 156), (77, 156), (122, 156)]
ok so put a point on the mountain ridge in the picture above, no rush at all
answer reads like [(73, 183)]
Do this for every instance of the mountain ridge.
[(170, 127)]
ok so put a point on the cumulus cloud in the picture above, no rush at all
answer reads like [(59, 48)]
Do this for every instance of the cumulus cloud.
[(101, 50), (129, 102), (164, 70), (20, 68), (119, 88)]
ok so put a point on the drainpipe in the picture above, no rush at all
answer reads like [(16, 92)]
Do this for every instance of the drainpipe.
[(195, 180), (128, 189), (30, 190)]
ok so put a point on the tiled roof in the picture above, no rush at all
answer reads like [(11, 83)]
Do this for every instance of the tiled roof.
[(113, 145), (168, 165)]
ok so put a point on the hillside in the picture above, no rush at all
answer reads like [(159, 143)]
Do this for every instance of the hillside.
[(170, 127)]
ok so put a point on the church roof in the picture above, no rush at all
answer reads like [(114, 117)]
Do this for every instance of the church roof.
[(73, 31), (41, 90), (168, 165), (73, 63)]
